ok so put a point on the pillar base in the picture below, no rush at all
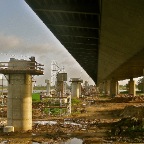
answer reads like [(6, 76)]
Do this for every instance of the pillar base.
[(8, 129)]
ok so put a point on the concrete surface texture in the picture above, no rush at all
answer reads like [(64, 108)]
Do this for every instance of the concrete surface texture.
[(121, 39), (20, 102)]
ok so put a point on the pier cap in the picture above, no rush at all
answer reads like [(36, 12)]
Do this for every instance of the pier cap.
[(76, 80)]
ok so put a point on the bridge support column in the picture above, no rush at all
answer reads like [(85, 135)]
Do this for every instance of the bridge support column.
[(117, 87), (75, 90), (47, 86), (143, 82), (19, 103), (107, 87), (79, 85), (100, 88), (132, 87), (113, 88), (76, 87)]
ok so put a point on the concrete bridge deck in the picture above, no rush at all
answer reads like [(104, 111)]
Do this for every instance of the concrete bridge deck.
[(105, 36)]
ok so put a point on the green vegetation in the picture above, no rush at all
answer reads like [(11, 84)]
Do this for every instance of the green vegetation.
[(123, 87), (75, 101), (141, 84), (54, 111), (36, 97)]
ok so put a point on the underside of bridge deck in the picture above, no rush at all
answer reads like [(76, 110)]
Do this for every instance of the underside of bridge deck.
[(75, 23), (105, 36), (121, 40)]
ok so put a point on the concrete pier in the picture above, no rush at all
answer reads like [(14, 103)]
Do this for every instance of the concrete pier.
[(60, 88), (76, 87), (61, 79), (80, 89), (107, 87), (132, 90), (113, 88), (19, 103), (47, 86), (117, 87)]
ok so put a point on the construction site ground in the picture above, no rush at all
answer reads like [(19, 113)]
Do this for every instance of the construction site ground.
[(101, 120)]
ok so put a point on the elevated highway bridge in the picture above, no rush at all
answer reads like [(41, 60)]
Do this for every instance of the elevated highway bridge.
[(105, 37)]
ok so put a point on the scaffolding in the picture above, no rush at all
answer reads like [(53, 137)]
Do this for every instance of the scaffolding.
[(54, 70), (3, 92), (32, 68), (61, 103), (60, 99)]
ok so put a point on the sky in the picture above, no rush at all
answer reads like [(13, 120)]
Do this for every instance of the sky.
[(23, 34)]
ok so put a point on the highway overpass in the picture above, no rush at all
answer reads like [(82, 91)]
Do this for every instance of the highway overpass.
[(106, 37)]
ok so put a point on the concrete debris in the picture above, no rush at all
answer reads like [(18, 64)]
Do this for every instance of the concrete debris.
[(127, 98), (122, 98), (138, 98)]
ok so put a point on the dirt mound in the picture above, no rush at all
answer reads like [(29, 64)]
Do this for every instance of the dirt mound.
[(122, 98), (127, 125), (133, 111)]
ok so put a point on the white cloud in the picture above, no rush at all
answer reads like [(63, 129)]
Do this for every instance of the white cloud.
[(12, 46), (9, 42)]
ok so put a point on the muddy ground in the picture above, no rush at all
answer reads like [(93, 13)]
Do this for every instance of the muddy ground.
[(103, 121)]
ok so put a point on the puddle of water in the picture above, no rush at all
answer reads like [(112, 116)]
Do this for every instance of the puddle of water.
[(45, 122), (54, 122), (33, 134), (35, 143), (4, 142), (68, 121), (72, 123), (73, 141), (70, 141)]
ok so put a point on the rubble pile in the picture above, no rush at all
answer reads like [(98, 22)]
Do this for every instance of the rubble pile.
[(122, 98), (39, 105), (138, 98), (65, 126), (36, 113), (127, 98)]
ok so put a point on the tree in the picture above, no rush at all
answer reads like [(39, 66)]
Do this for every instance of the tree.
[(141, 84), (127, 86)]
